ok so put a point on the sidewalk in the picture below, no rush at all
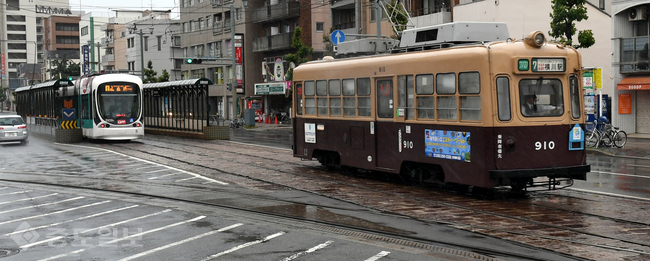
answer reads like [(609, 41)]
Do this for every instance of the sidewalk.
[(637, 146)]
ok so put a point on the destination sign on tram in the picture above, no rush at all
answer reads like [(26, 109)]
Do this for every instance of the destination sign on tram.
[(548, 65), (118, 88)]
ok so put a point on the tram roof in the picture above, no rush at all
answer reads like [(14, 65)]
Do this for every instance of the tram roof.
[(55, 83), (197, 81)]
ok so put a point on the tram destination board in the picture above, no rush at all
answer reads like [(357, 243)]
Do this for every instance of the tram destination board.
[(548, 64)]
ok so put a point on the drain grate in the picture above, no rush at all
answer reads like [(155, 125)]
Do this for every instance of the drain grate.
[(8, 252)]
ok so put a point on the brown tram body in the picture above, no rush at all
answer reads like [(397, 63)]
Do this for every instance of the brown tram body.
[(404, 126)]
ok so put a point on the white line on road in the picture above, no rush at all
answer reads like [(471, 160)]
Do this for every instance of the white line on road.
[(41, 205), (180, 242), (621, 174), (162, 176), (125, 238), (378, 256), (313, 249), (97, 228), (150, 162), (154, 171), (56, 212), (609, 194), (256, 145), (4, 188), (244, 245), (17, 192), (18, 200), (186, 179), (71, 220)]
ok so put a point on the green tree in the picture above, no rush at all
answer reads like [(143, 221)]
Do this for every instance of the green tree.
[(3, 98), (164, 77), (565, 14), (303, 52), (398, 16), (62, 68), (329, 46), (150, 74)]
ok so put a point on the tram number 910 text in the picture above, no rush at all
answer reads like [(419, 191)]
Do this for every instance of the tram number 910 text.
[(407, 144), (544, 145)]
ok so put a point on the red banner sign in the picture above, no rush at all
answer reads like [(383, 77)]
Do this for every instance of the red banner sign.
[(2, 60), (238, 55)]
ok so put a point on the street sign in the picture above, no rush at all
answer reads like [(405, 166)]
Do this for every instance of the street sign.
[(337, 36), (86, 55), (68, 115)]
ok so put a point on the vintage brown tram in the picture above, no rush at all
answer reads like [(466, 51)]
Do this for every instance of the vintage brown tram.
[(457, 114)]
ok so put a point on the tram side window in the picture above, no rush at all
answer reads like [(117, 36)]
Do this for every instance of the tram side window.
[(406, 96), (575, 97), (321, 100), (426, 101), (298, 95), (363, 97), (335, 97), (503, 98), (310, 101), (349, 101), (446, 84), (470, 106)]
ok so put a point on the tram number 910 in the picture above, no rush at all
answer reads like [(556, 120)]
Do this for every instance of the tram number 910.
[(544, 145)]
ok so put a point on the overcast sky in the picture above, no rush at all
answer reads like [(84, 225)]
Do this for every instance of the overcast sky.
[(104, 7)]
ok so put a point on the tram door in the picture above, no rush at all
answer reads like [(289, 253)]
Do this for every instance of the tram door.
[(386, 143)]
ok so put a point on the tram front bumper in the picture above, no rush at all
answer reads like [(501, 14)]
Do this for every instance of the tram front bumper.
[(574, 172)]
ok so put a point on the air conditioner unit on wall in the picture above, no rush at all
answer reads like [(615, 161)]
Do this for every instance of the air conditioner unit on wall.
[(638, 13)]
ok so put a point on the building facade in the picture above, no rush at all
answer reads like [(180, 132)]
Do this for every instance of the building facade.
[(61, 41)]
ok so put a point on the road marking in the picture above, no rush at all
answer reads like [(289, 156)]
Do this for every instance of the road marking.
[(378, 256), (609, 194), (17, 192), (186, 179), (180, 242), (156, 171), (150, 162), (71, 220), (621, 174), (4, 188), (41, 205), (2, 203), (313, 249), (244, 245), (125, 238), (97, 228), (162, 176), (51, 213)]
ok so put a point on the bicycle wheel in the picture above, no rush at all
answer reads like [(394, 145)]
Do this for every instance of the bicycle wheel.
[(606, 139), (620, 139), (591, 139)]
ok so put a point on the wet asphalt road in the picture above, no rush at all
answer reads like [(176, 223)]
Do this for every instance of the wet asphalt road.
[(67, 222)]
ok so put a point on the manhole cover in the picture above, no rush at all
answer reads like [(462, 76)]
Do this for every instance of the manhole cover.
[(8, 252)]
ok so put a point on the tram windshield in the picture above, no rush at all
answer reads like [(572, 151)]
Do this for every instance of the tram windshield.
[(119, 103), (541, 97)]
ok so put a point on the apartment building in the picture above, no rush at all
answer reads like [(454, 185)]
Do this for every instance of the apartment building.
[(61, 41)]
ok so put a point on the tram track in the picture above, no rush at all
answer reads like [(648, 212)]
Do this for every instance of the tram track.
[(412, 209), (461, 250)]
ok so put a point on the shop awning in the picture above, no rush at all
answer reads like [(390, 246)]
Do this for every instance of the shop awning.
[(634, 83)]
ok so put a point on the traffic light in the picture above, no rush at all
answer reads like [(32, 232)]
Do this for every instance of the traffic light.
[(69, 78), (194, 61), (229, 86)]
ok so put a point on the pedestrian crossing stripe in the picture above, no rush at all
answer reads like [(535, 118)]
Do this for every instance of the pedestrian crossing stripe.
[(69, 124)]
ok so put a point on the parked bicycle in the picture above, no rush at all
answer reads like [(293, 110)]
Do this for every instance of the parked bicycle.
[(236, 123), (605, 134)]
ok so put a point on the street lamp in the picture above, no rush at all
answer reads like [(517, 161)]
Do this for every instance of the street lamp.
[(132, 30), (233, 89)]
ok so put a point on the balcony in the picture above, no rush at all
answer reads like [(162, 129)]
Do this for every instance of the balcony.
[(343, 26), (432, 15), (275, 12), (634, 55), (108, 58), (272, 43)]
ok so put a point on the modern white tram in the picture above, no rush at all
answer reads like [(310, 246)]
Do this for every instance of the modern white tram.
[(109, 106)]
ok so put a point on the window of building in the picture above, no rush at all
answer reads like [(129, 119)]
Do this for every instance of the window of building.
[(320, 26), (185, 27), (84, 30), (191, 2), (201, 24), (13, 5), (15, 18), (208, 21), (145, 42), (16, 37), (67, 27), (16, 27), (67, 39), (238, 14), (14, 46), (159, 42)]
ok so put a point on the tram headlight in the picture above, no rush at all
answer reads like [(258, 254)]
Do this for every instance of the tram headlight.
[(535, 39)]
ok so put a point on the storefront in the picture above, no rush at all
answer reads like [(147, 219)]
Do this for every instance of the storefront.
[(634, 100)]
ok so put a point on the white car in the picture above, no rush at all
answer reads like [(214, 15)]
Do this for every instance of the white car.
[(13, 128)]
